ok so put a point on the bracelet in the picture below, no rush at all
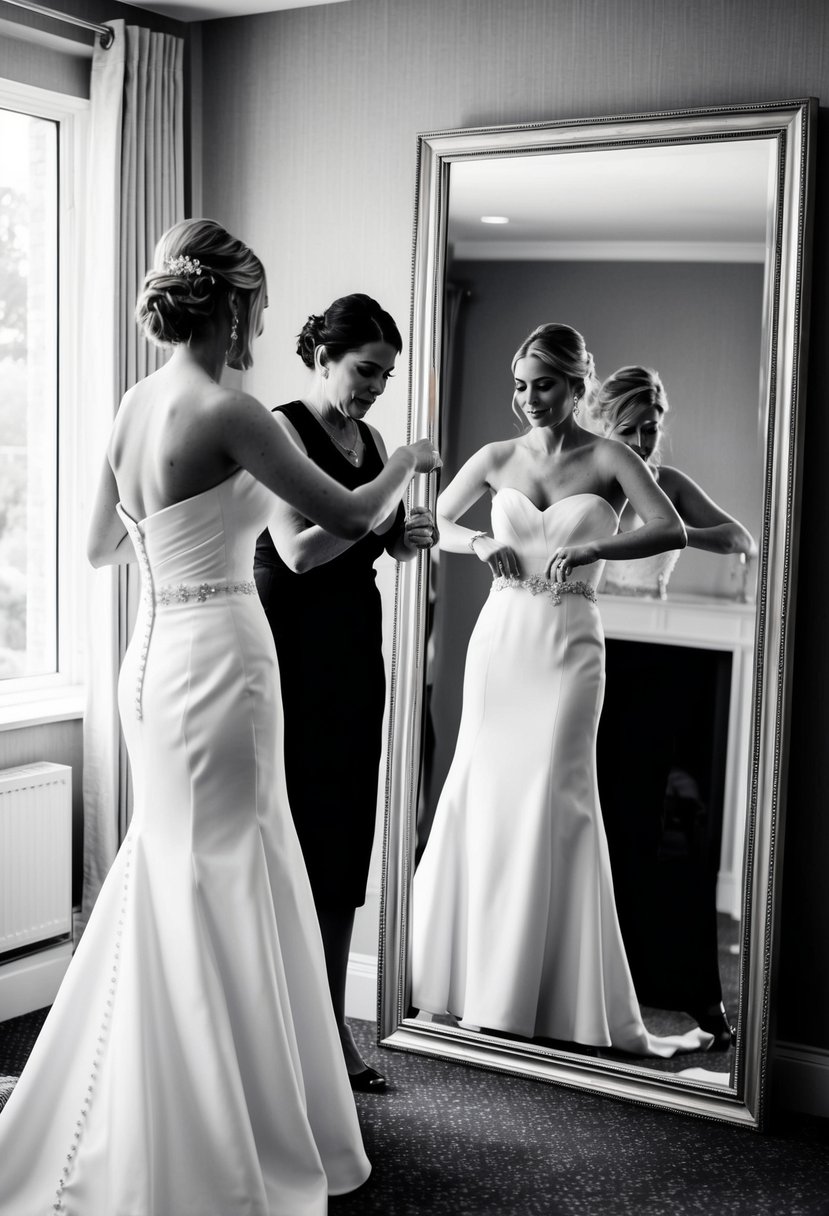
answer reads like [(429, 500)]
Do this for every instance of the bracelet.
[(472, 539)]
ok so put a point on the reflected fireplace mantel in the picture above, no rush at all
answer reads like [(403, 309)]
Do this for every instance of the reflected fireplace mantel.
[(710, 624)]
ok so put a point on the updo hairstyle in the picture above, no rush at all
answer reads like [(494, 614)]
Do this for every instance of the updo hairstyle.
[(347, 324), (196, 264), (563, 349), (623, 394)]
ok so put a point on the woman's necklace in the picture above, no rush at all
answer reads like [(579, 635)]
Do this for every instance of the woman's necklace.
[(352, 453)]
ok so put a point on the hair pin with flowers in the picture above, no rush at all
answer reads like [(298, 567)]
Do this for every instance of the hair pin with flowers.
[(186, 266)]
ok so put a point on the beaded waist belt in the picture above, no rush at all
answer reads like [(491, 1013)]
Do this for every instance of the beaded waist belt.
[(537, 585), (183, 593)]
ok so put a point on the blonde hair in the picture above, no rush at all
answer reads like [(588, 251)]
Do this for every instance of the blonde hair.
[(195, 265), (564, 350), (625, 392)]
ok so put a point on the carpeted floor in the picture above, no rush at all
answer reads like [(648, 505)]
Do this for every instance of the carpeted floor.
[(448, 1140)]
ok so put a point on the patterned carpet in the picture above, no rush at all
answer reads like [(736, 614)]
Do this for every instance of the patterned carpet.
[(447, 1140)]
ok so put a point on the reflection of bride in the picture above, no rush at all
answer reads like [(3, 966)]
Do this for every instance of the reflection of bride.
[(514, 927)]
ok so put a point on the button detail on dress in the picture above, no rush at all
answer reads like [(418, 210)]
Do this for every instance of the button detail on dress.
[(106, 1017)]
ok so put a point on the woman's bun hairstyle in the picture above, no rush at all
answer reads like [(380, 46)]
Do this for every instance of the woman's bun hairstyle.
[(174, 307), (564, 350), (627, 389), (347, 324), (196, 265)]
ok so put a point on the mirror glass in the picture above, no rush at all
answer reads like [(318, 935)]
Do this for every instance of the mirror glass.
[(664, 253), (671, 277)]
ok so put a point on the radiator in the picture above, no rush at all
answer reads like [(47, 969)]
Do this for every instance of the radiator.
[(35, 855)]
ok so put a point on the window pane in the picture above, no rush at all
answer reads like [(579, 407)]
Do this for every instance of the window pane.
[(28, 395)]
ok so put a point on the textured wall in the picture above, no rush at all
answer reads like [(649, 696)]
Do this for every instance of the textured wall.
[(309, 129)]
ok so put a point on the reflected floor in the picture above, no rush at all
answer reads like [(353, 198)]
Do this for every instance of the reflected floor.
[(658, 1022)]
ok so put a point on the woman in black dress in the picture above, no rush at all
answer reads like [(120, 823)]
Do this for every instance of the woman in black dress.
[(321, 599)]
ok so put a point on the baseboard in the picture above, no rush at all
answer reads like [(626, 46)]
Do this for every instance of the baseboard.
[(801, 1079), (361, 987), (32, 982)]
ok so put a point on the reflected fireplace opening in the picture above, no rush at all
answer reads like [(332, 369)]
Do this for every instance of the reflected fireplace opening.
[(661, 764)]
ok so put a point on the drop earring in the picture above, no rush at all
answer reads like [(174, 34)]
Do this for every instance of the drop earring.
[(575, 407), (234, 335)]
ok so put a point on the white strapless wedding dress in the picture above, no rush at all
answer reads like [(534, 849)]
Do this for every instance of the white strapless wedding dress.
[(514, 925), (190, 1065)]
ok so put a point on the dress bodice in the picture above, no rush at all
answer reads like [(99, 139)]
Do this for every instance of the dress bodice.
[(648, 576), (208, 538), (534, 534)]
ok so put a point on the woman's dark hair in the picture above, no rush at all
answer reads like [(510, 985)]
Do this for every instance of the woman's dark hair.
[(347, 324), (196, 263)]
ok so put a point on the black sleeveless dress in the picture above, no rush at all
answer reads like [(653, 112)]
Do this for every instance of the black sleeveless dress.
[(327, 625)]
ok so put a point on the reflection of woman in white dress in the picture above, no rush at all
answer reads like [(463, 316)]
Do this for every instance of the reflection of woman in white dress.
[(666, 906), (631, 407), (514, 927), (190, 1065)]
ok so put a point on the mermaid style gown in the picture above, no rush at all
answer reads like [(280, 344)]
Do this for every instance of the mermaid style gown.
[(514, 926), (190, 1065)]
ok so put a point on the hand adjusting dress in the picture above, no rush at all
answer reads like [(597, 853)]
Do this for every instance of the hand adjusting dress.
[(514, 925), (190, 1065)]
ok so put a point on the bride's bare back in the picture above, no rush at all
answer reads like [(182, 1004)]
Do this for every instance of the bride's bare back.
[(167, 442)]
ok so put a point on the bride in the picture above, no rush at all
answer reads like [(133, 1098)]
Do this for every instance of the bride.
[(514, 927), (191, 1065)]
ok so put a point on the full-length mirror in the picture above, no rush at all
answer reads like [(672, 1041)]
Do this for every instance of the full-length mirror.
[(585, 764)]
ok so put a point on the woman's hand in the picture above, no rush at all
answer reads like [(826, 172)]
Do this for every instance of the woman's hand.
[(427, 457), (419, 529), (499, 557), (567, 558)]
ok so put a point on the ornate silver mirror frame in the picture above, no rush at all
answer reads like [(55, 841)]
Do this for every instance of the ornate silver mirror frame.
[(789, 128)]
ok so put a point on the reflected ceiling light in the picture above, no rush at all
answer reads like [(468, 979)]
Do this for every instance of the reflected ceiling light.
[(494, 219)]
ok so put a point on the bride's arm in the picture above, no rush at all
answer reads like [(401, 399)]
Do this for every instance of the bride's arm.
[(661, 529), (252, 438), (301, 544), (469, 484), (107, 540), (708, 526)]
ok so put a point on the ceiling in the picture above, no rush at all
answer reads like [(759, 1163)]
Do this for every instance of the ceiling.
[(694, 202), (207, 10)]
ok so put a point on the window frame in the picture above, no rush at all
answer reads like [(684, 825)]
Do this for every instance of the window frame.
[(29, 700)]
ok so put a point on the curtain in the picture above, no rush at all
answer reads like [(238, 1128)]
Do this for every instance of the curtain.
[(135, 190)]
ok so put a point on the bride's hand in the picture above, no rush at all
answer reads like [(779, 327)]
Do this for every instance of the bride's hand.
[(499, 557), (567, 558)]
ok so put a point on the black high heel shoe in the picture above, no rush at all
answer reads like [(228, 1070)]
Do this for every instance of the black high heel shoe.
[(367, 1081), (715, 1022)]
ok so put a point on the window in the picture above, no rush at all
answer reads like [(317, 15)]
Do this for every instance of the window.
[(41, 570), (28, 395)]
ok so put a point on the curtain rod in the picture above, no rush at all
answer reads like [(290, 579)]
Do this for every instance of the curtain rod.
[(106, 35)]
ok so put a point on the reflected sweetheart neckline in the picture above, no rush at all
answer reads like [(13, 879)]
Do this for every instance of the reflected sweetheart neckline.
[(558, 502), (171, 506)]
